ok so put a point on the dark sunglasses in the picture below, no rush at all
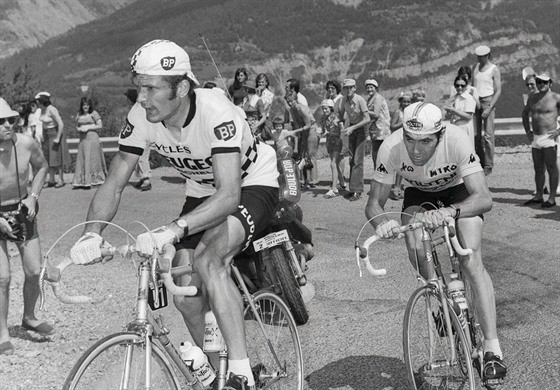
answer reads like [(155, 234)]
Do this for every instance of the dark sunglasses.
[(530, 84), (539, 81), (460, 85), (11, 120)]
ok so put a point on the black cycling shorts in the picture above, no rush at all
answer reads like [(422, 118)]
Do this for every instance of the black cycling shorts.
[(256, 208), (434, 200)]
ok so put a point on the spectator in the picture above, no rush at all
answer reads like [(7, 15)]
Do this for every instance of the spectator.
[(143, 171), (466, 71), (418, 95), (379, 127), (334, 146), (309, 142), (544, 108), (34, 123), (90, 167), (355, 107), (488, 83), (254, 109), (404, 99), (293, 87), (334, 89), (462, 108), (54, 145), (18, 222), (264, 92), (282, 137), (236, 91)]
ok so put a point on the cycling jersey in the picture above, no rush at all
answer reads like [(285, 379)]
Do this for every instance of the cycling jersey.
[(453, 159), (213, 126)]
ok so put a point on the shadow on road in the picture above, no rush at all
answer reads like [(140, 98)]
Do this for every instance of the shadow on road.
[(516, 191), (360, 373), (173, 179)]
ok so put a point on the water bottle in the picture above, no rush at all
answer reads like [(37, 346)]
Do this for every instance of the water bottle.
[(198, 362), (456, 289), (213, 340)]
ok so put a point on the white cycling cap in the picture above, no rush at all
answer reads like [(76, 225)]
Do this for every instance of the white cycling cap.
[(162, 58), (422, 118)]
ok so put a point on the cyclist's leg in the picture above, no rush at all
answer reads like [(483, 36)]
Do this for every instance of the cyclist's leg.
[(470, 235), (414, 240)]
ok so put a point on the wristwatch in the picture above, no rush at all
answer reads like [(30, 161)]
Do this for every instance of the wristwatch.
[(183, 225), (457, 211)]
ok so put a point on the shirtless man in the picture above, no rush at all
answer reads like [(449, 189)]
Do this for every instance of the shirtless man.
[(17, 152), (544, 107)]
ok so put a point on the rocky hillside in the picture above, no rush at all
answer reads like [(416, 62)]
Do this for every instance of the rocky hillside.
[(27, 23), (402, 43)]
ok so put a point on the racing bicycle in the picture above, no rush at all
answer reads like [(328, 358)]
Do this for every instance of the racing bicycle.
[(142, 355), (442, 340)]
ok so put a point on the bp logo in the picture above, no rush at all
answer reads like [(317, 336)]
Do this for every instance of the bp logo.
[(167, 63), (225, 131), (127, 129)]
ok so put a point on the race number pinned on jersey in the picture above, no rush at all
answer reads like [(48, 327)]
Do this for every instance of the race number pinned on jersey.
[(225, 131), (127, 129)]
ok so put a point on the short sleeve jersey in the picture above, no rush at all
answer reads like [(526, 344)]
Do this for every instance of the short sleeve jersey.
[(213, 126), (453, 159)]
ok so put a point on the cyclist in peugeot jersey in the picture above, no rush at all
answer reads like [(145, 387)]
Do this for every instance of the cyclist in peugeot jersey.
[(442, 169), (231, 187)]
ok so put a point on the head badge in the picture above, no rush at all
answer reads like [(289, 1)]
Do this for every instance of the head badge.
[(422, 118)]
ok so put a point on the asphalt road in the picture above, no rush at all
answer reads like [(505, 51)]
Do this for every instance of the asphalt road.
[(353, 338)]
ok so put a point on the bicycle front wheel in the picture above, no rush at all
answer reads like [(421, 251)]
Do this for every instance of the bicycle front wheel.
[(118, 361), (274, 349), (427, 348)]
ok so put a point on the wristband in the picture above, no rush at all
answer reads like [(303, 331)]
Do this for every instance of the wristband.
[(457, 211)]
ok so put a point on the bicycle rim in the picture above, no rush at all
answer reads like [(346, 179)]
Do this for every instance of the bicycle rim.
[(427, 355), (275, 354), (118, 362)]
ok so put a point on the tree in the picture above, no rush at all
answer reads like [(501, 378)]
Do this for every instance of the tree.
[(21, 86)]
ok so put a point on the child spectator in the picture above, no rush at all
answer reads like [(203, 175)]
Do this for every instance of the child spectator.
[(334, 146), (282, 137)]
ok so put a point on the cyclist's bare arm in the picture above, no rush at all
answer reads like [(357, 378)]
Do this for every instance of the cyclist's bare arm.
[(378, 195), (224, 202), (106, 200)]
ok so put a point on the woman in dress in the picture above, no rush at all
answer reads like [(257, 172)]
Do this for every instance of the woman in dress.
[(236, 91), (462, 109), (264, 92), (90, 161), (54, 141)]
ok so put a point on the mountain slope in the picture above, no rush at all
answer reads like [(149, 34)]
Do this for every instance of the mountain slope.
[(401, 43)]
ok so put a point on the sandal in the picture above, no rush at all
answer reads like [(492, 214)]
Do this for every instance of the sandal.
[(43, 328), (59, 184)]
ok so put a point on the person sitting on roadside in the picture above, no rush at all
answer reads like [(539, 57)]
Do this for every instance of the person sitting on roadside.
[(441, 166), (544, 108), (231, 190), (334, 146), (18, 221)]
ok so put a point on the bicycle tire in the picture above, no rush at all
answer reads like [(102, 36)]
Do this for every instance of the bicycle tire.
[(291, 292), (427, 355), (102, 365), (279, 337)]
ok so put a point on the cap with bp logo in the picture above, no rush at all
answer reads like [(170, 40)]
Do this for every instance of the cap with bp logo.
[(162, 58)]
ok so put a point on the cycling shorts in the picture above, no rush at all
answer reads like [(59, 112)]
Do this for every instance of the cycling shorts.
[(255, 211), (434, 200)]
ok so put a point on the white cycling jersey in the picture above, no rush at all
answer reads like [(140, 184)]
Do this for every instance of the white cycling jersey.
[(214, 125), (453, 159)]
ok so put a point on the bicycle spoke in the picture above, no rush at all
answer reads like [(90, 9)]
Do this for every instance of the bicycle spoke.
[(273, 344)]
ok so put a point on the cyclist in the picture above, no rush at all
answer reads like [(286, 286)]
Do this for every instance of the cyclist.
[(442, 169), (231, 188)]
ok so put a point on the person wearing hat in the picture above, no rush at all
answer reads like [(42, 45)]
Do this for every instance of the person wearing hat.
[(488, 83), (254, 107), (19, 154), (356, 109), (379, 127), (441, 166), (143, 170), (544, 108), (231, 188)]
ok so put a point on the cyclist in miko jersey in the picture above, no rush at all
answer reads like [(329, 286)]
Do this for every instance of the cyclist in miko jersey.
[(442, 168), (231, 188)]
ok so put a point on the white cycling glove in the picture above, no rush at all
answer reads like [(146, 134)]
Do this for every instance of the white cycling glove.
[(87, 249), (388, 229), (156, 239)]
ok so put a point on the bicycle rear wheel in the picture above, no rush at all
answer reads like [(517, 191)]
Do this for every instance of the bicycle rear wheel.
[(427, 348), (275, 349), (118, 362)]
